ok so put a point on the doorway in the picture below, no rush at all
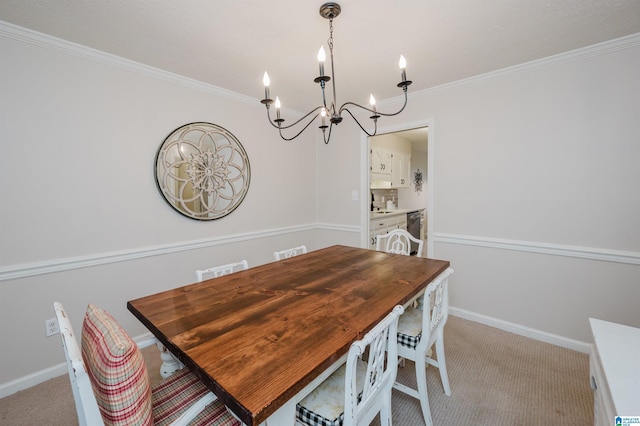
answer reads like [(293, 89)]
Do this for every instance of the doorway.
[(411, 197)]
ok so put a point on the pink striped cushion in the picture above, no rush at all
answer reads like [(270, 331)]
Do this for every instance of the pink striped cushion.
[(117, 370), (173, 395), (216, 414)]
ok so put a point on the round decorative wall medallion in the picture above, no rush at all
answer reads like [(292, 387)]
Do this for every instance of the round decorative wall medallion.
[(202, 171)]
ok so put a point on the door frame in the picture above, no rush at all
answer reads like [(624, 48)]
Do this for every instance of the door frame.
[(365, 177)]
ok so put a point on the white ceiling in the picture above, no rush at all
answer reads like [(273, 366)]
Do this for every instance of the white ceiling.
[(231, 43)]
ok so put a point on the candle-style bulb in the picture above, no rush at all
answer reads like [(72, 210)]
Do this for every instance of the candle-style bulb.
[(321, 58), (372, 100), (403, 62), (266, 82), (321, 55), (403, 66), (323, 114), (278, 110)]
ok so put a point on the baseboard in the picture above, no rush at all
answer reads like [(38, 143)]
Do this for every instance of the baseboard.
[(32, 379), (520, 330), (57, 370)]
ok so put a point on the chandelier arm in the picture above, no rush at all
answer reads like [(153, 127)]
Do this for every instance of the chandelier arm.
[(324, 136), (386, 114), (280, 129), (295, 123), (375, 122)]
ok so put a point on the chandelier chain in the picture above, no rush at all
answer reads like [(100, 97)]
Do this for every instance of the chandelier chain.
[(334, 104), (330, 41)]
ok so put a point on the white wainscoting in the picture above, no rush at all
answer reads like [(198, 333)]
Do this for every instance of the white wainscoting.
[(56, 265)]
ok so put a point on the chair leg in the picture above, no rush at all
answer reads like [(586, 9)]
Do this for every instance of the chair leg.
[(421, 377), (442, 365), (385, 410)]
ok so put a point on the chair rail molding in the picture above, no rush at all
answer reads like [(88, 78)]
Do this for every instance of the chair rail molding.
[(65, 264), (591, 253)]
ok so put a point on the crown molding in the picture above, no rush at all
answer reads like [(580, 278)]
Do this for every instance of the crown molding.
[(46, 41), (603, 48)]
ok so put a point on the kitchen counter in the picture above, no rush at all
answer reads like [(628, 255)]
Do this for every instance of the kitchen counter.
[(377, 214)]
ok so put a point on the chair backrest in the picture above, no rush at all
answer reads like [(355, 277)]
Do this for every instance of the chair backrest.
[(117, 370), (218, 271), (382, 368), (285, 254), (85, 401), (398, 241), (435, 306)]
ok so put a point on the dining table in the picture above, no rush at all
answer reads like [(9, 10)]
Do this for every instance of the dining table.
[(263, 338)]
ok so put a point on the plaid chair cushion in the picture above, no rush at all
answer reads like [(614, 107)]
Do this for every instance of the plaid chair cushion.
[(116, 369), (324, 406), (410, 328), (175, 394), (215, 414)]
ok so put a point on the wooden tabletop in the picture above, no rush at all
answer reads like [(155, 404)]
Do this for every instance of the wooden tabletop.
[(257, 337)]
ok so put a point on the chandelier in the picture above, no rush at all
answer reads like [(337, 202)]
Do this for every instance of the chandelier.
[(331, 112)]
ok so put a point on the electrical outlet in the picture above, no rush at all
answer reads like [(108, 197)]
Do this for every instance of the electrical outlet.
[(51, 327)]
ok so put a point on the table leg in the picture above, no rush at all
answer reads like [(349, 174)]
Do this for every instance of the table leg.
[(169, 363), (285, 416)]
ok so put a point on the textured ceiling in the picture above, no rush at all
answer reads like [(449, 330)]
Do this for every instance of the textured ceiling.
[(231, 43)]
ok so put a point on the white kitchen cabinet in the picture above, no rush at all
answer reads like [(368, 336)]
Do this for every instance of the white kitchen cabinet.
[(401, 170), (381, 161), (390, 162), (382, 225), (613, 366)]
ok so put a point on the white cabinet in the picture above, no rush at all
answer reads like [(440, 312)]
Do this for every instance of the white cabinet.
[(613, 366), (401, 170), (390, 162), (382, 225), (381, 161)]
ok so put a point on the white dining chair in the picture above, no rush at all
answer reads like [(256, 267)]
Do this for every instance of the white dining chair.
[(110, 383), (218, 271), (358, 391), (418, 330), (398, 241), (285, 254)]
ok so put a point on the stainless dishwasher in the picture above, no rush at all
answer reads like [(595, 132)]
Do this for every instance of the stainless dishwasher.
[(413, 227)]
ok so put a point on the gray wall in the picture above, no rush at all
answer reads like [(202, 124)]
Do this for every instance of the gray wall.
[(535, 178), (535, 190), (81, 218)]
